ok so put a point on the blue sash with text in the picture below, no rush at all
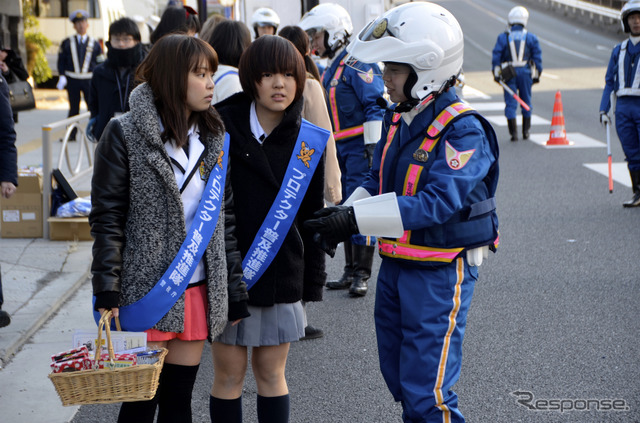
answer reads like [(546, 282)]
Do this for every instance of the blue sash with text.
[(146, 312), (307, 153)]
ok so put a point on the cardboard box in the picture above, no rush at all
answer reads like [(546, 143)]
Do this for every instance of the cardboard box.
[(22, 213), (69, 229)]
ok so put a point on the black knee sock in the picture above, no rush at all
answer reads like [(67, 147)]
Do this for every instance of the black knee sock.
[(225, 411), (139, 411), (273, 409), (174, 398)]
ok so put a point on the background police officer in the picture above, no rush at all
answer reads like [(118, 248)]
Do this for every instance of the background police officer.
[(356, 118), (265, 21), (623, 79), (77, 57), (517, 61)]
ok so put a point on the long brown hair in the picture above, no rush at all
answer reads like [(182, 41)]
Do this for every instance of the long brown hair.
[(300, 40), (166, 69)]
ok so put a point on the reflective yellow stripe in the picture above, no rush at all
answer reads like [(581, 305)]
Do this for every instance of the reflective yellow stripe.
[(332, 99), (445, 117), (348, 133), (406, 251), (442, 366)]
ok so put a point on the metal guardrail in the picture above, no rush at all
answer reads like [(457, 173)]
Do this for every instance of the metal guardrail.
[(590, 7), (602, 9), (61, 131)]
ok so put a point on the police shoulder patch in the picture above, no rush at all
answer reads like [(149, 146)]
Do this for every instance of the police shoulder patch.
[(457, 159), (366, 77)]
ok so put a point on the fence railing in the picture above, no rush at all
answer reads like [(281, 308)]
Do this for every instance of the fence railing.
[(607, 10), (61, 131)]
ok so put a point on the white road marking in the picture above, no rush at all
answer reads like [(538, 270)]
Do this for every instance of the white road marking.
[(469, 92), (619, 172), (502, 120), (576, 139)]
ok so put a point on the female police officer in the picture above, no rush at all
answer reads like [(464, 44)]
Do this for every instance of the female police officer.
[(430, 198)]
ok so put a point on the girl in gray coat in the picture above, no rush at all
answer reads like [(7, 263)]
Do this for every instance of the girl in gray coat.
[(151, 168)]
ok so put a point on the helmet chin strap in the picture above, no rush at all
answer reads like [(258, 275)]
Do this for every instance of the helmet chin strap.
[(418, 105), (406, 106), (330, 52)]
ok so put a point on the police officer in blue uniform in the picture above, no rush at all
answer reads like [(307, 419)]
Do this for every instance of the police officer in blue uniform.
[(430, 198), (517, 60), (623, 80), (77, 57), (356, 117), (265, 21)]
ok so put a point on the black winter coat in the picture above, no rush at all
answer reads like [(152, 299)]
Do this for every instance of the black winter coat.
[(107, 96), (8, 151), (16, 68), (298, 269)]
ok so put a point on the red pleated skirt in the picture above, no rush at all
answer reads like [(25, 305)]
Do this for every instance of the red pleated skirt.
[(195, 318)]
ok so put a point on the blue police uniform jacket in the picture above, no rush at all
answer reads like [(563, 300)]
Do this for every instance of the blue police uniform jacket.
[(351, 100), (65, 60), (532, 51), (612, 80), (445, 176)]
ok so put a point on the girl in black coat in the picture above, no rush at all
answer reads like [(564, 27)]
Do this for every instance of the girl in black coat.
[(264, 123)]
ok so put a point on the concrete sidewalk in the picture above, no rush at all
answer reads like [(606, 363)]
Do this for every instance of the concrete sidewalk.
[(38, 276), (48, 294)]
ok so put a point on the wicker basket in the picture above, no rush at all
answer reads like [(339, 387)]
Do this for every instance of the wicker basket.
[(103, 386)]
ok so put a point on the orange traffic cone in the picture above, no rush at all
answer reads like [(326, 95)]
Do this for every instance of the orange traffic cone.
[(558, 135)]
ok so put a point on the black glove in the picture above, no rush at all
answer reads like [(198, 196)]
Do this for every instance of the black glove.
[(107, 299), (536, 80), (369, 149), (333, 225), (327, 246)]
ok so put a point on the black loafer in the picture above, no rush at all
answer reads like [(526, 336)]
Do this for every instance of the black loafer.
[(5, 319), (312, 333)]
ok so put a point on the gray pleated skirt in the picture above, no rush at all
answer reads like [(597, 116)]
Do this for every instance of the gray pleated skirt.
[(275, 325)]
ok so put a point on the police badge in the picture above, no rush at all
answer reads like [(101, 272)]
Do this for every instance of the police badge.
[(380, 29), (420, 155)]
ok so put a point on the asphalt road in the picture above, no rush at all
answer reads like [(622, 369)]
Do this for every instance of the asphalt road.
[(554, 315)]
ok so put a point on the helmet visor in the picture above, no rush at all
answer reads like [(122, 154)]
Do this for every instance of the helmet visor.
[(362, 67), (376, 29)]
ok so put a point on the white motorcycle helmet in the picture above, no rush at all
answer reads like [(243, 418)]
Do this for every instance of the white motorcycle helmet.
[(518, 15), (264, 17), (629, 7), (423, 35), (332, 18)]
